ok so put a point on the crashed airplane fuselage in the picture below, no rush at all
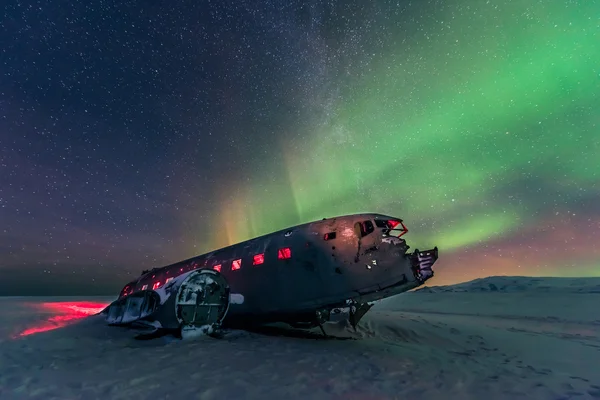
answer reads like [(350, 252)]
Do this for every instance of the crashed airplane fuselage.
[(298, 276)]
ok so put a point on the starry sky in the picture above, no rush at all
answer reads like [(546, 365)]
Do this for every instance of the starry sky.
[(137, 134)]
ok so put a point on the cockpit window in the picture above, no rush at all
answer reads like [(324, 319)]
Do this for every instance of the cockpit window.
[(364, 228), (368, 227), (380, 223), (329, 236)]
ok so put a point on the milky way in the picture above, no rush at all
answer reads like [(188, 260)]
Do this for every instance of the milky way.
[(136, 135)]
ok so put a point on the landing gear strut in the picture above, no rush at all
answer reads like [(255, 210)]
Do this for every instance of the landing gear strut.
[(322, 316), (357, 311)]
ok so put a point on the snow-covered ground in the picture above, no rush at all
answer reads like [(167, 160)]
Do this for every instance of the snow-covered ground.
[(494, 338)]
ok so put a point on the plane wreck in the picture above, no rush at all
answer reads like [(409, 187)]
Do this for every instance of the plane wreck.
[(299, 276)]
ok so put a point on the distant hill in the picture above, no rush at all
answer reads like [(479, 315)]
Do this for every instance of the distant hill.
[(513, 284)]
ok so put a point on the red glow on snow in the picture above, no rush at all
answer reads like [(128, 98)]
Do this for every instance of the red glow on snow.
[(284, 253), (258, 259), (68, 312)]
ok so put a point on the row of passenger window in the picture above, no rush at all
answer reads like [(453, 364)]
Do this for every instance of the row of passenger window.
[(258, 259)]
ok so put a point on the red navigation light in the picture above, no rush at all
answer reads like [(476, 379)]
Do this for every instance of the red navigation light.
[(217, 267), (258, 259), (236, 264), (284, 253)]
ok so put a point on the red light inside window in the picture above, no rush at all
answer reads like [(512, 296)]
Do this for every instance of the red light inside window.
[(126, 290), (169, 280), (236, 264), (284, 253), (258, 259), (144, 287), (217, 268), (156, 285), (393, 224)]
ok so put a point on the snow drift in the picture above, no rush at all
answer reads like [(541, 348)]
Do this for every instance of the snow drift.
[(534, 338), (513, 284)]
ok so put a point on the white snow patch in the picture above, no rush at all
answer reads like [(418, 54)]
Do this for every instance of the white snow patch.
[(192, 332), (391, 240), (348, 233), (236, 298)]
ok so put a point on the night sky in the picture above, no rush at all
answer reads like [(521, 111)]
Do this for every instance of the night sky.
[(136, 134)]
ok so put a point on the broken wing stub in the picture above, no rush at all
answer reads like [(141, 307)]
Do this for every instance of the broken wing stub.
[(422, 261), (134, 307), (192, 304)]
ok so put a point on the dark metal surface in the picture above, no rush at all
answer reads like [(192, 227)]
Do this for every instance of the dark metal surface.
[(333, 261)]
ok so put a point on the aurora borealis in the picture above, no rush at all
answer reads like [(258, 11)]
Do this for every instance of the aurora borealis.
[(165, 132)]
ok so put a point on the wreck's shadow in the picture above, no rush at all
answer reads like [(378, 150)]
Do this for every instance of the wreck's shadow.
[(270, 330)]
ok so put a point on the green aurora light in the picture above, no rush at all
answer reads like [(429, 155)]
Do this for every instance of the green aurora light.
[(479, 125)]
